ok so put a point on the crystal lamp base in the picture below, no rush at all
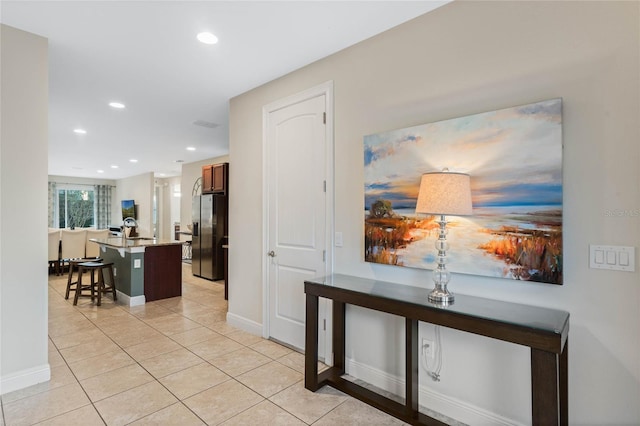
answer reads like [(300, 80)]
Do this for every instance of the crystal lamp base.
[(441, 296)]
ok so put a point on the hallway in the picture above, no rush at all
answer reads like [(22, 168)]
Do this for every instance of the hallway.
[(171, 362)]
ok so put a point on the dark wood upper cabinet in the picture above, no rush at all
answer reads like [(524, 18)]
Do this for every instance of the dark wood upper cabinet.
[(207, 179), (219, 178), (214, 178)]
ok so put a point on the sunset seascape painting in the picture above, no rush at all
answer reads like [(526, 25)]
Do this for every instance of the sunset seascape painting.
[(514, 158)]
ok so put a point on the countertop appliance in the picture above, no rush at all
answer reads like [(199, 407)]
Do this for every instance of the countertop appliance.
[(209, 229)]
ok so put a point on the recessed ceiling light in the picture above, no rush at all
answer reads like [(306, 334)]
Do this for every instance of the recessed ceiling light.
[(133, 160), (117, 105), (179, 161), (114, 166), (207, 38), (191, 148), (80, 131), (100, 171)]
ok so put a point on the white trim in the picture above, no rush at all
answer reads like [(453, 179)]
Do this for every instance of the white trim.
[(25, 378), (377, 378), (435, 401), (244, 324), (125, 299), (324, 310), (465, 412), (265, 227)]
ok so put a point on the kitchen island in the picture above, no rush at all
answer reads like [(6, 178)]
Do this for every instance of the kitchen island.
[(146, 269)]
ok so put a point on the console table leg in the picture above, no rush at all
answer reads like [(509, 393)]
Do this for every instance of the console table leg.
[(564, 385), (339, 337), (411, 362), (544, 388), (311, 344)]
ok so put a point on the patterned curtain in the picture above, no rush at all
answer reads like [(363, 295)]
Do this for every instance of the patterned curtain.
[(52, 204), (102, 195)]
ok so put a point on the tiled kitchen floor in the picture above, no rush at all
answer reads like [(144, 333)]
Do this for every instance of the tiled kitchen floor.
[(171, 362)]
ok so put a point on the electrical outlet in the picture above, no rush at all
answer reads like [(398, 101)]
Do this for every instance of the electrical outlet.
[(428, 348)]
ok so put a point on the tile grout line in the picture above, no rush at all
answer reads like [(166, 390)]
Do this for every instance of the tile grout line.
[(281, 407), (77, 381), (173, 310), (119, 346), (181, 401), (156, 379)]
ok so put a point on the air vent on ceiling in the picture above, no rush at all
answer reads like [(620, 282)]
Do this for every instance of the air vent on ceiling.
[(207, 124)]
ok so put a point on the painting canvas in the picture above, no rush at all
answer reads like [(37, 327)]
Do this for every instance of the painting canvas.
[(514, 158)]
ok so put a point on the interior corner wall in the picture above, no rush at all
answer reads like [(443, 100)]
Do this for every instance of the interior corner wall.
[(139, 188), (190, 174), (170, 204), (23, 209), (461, 59)]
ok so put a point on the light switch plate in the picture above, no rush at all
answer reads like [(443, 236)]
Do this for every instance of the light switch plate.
[(137, 263), (338, 239), (614, 258)]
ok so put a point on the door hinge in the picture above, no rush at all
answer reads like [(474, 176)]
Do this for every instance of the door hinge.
[(324, 118), (324, 186), (324, 255), (324, 325)]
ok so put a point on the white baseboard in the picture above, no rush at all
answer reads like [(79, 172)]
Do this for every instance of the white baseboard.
[(25, 378), (244, 324), (125, 299), (440, 403)]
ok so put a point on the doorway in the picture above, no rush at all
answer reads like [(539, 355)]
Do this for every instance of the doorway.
[(298, 191)]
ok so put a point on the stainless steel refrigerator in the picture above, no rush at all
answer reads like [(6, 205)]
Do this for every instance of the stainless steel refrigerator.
[(209, 231)]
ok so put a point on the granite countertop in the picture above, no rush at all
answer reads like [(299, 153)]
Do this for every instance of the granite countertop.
[(119, 242)]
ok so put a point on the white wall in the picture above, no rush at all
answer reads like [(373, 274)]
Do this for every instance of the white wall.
[(465, 58), (171, 204), (140, 189), (23, 210), (190, 173)]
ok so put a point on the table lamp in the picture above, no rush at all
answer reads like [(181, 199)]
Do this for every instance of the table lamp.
[(443, 193)]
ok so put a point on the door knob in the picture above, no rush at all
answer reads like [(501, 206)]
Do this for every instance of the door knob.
[(272, 253)]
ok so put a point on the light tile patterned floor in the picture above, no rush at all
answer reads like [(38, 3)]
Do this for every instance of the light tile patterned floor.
[(171, 362)]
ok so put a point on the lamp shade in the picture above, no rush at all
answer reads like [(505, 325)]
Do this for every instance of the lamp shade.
[(445, 193)]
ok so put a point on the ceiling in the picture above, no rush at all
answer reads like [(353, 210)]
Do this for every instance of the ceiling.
[(145, 55)]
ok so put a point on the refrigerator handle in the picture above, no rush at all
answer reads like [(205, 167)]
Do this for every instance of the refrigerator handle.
[(196, 231)]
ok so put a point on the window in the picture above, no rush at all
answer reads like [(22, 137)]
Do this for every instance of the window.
[(76, 207)]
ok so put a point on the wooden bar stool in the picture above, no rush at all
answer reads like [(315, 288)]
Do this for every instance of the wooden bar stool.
[(73, 265), (104, 284)]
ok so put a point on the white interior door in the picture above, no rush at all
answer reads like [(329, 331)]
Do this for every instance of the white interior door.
[(296, 138)]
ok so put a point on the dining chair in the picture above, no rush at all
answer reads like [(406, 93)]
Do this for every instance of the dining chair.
[(54, 251), (93, 249), (73, 243)]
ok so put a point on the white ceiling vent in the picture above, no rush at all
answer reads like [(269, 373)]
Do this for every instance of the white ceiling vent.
[(207, 124)]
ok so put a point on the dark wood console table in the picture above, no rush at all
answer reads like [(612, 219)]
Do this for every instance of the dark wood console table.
[(544, 330)]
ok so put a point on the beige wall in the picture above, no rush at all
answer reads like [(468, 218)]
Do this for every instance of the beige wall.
[(140, 189), (23, 209), (170, 211), (465, 58)]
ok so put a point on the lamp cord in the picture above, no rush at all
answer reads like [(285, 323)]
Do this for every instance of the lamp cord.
[(435, 372)]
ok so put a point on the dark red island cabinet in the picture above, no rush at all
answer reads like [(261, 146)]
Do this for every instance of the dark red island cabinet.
[(162, 272)]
